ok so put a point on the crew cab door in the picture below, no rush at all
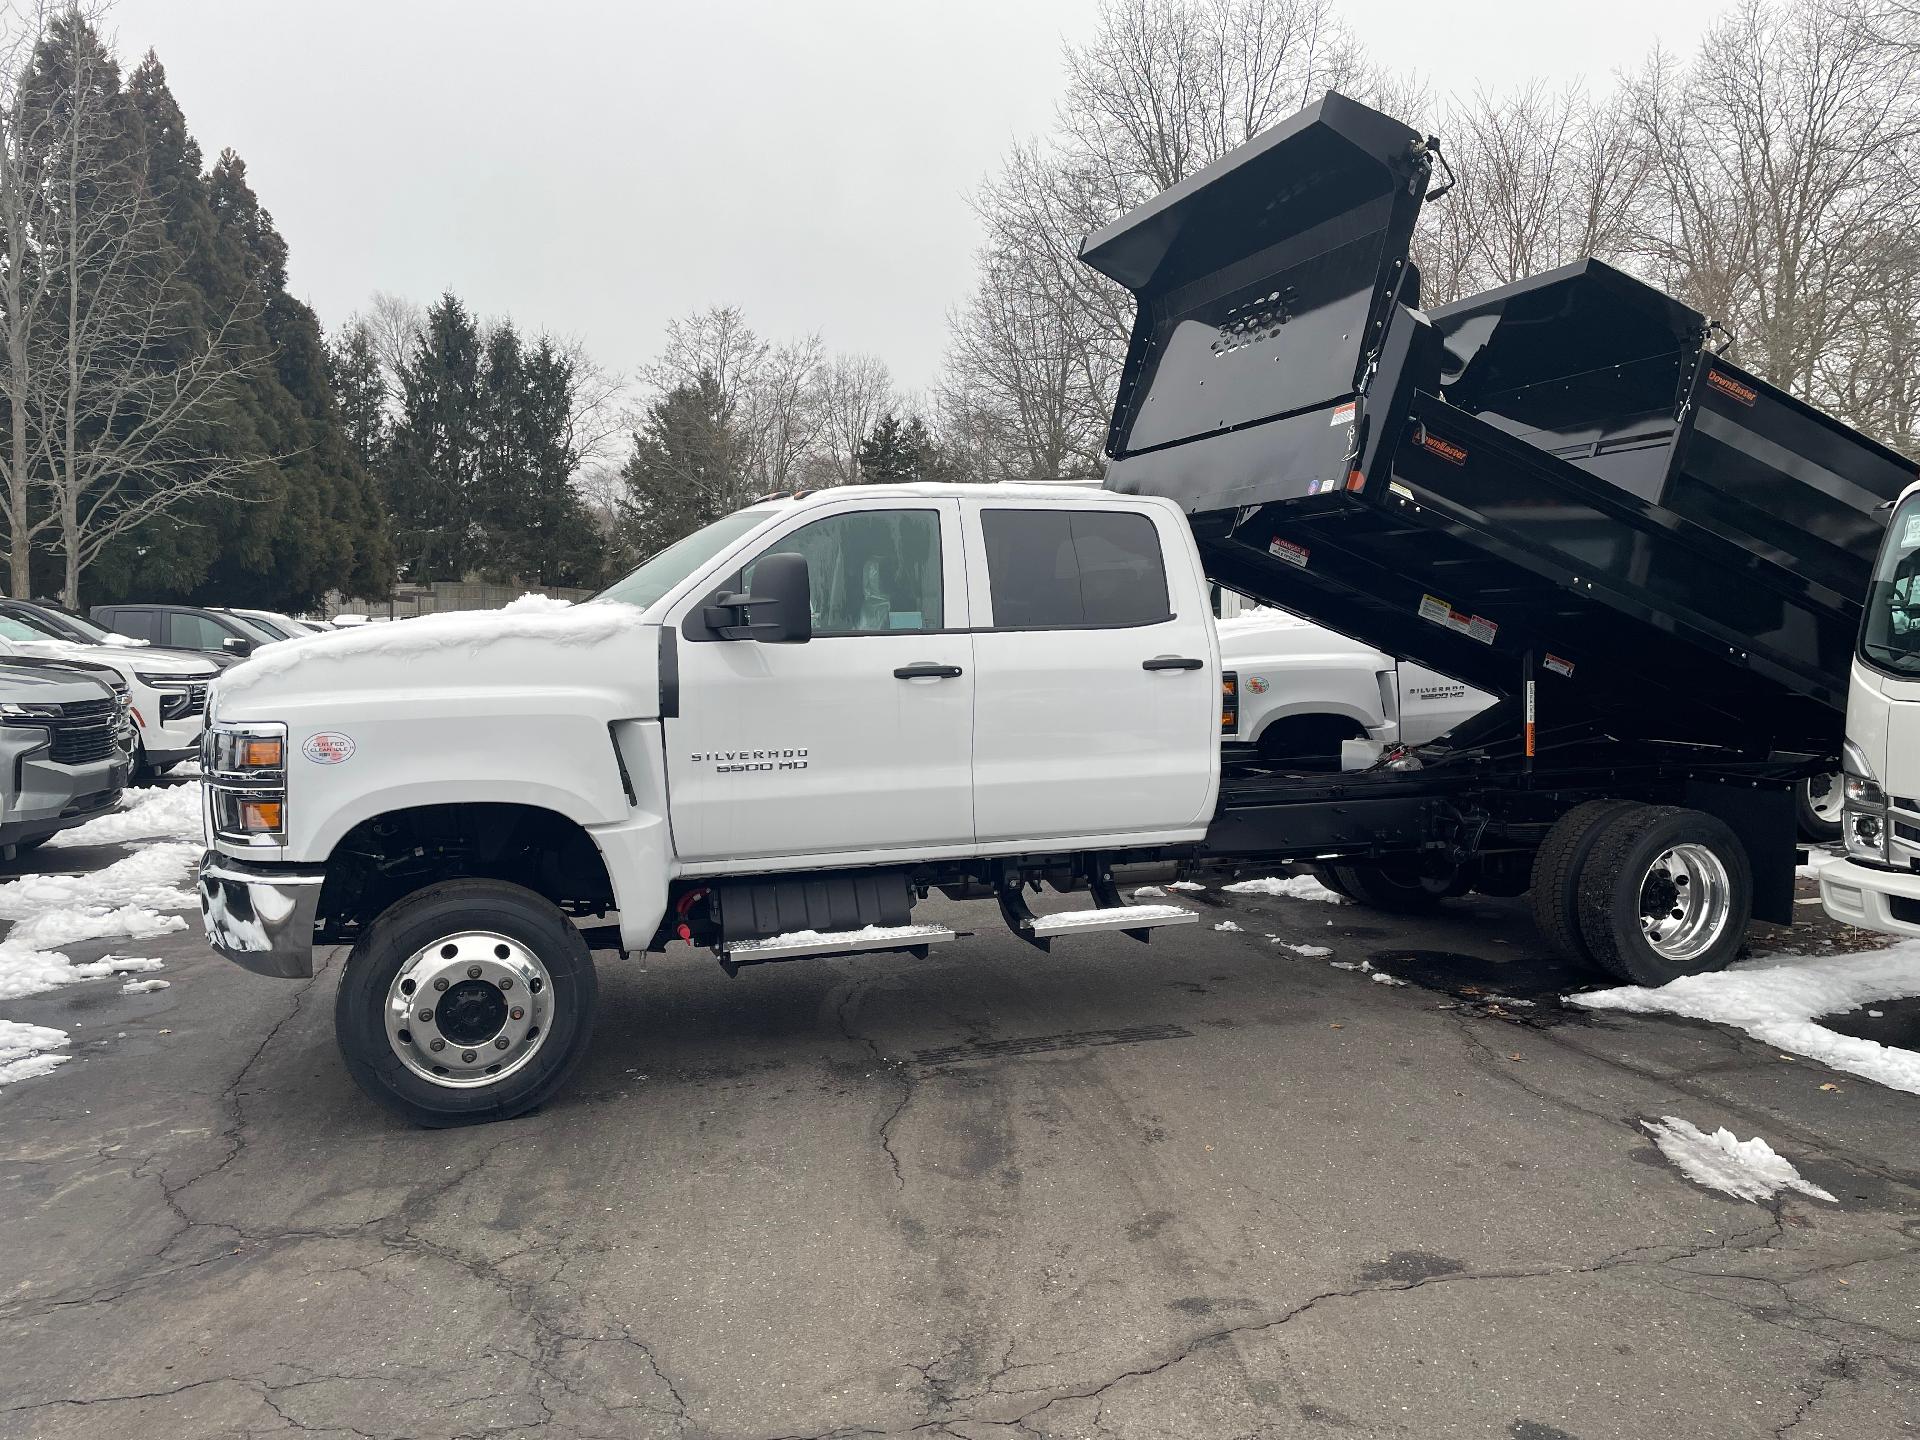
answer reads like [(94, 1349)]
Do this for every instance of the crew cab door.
[(858, 740), (1097, 703)]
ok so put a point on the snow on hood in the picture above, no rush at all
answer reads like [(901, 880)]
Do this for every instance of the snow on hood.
[(531, 617)]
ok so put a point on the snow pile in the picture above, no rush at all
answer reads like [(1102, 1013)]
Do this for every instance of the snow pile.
[(55, 910), (1291, 887), (1776, 998), (1379, 977), (1312, 952), (531, 617), (1226, 925), (172, 813), (24, 1050), (142, 987), (863, 936), (1149, 892), (1745, 1169), (1104, 919), (1184, 885)]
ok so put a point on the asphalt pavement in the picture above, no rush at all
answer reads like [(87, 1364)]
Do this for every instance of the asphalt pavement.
[(1206, 1187)]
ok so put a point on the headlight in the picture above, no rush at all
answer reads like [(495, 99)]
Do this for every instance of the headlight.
[(246, 774), (1863, 822), (158, 682), (9, 710)]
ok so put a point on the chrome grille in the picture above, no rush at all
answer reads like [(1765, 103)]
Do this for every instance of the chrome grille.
[(86, 731)]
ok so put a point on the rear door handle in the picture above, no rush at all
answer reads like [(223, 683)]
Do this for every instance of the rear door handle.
[(926, 670), (1168, 662)]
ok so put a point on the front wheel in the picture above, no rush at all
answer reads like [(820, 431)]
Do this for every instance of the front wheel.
[(468, 1001), (1817, 806)]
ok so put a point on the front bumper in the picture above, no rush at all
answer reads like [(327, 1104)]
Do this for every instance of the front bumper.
[(1858, 895), (260, 916)]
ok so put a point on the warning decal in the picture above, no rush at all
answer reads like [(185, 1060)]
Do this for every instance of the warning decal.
[(1342, 415), (1558, 666), (1288, 551), (1474, 627)]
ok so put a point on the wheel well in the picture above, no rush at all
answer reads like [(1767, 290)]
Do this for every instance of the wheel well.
[(1308, 734), (388, 857)]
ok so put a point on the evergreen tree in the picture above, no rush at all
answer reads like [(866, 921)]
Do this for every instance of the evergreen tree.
[(896, 451), (360, 387), (688, 468), (434, 459)]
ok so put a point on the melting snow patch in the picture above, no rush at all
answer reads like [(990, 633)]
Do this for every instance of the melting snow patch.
[(1291, 887), (1746, 1169), (1149, 892), (1312, 952), (1226, 925), (172, 814), (23, 1050), (531, 617), (1777, 998), (1379, 977), (142, 987), (1185, 885), (123, 900)]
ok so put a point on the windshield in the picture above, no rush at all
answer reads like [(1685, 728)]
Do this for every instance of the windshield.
[(275, 626), (253, 629), (84, 627), (1891, 636), (12, 629), (672, 565)]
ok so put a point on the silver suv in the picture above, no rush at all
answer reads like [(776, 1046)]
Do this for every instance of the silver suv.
[(64, 743)]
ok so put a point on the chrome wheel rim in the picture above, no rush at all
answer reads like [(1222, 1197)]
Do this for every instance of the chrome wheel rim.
[(469, 1009), (1826, 798), (1686, 898)]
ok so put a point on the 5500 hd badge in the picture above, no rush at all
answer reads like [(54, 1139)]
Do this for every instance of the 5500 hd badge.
[(736, 762)]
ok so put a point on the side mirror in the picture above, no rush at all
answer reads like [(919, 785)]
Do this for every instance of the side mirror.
[(237, 645), (778, 612)]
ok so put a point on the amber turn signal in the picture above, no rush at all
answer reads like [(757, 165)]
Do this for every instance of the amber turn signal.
[(259, 815), (262, 754)]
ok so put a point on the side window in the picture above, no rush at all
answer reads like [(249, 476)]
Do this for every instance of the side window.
[(194, 632), (1053, 568), (136, 623), (871, 571)]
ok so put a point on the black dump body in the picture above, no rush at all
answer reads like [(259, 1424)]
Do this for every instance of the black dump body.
[(1557, 480)]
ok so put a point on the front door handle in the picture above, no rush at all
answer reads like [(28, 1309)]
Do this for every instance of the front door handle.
[(1172, 662), (926, 670)]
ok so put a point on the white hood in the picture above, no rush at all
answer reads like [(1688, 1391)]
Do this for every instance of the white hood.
[(120, 657)]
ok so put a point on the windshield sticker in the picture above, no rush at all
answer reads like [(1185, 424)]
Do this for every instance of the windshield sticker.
[(1910, 536), (329, 747)]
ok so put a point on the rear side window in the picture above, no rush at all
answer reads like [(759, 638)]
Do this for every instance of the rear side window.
[(135, 623), (194, 632), (1049, 569)]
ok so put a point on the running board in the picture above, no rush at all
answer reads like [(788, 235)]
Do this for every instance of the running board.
[(1137, 922), (804, 944)]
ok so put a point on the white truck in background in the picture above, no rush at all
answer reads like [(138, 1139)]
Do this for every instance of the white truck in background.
[(1877, 883), (1309, 698)]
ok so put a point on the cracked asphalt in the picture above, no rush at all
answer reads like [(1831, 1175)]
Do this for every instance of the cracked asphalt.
[(1201, 1188)]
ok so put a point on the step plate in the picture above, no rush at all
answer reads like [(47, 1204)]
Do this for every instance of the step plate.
[(837, 942), (1122, 917)]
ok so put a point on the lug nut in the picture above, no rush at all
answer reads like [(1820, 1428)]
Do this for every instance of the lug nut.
[(426, 1014), (441, 983), (516, 1013), (436, 1045), (500, 1042), (506, 982), (473, 972), (468, 1056)]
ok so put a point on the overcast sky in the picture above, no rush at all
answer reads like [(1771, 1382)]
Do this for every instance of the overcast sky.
[(596, 169)]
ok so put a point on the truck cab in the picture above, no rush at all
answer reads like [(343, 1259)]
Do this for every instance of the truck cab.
[(1877, 884), (795, 721)]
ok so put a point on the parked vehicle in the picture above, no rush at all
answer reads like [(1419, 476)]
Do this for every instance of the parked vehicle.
[(280, 627), (63, 749), (1304, 694), (223, 637), (775, 736), (166, 690), (1877, 884)]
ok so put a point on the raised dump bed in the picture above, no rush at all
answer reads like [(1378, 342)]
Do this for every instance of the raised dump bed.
[(1558, 480)]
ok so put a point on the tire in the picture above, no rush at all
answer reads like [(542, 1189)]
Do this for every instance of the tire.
[(444, 927), (137, 767), (1816, 806), (1707, 879), (1556, 875), (1328, 876), (1398, 890)]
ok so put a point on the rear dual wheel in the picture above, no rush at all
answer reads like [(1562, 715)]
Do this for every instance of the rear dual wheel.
[(1648, 893), (468, 1001)]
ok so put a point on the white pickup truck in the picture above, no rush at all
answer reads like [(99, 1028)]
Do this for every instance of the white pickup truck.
[(1307, 696), (771, 738)]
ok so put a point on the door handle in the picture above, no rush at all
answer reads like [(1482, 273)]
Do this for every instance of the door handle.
[(1172, 662), (926, 670)]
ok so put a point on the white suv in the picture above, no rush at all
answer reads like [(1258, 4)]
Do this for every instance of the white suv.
[(166, 691)]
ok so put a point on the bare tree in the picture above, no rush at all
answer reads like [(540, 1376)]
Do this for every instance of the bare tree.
[(394, 325), (856, 390), (113, 388)]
